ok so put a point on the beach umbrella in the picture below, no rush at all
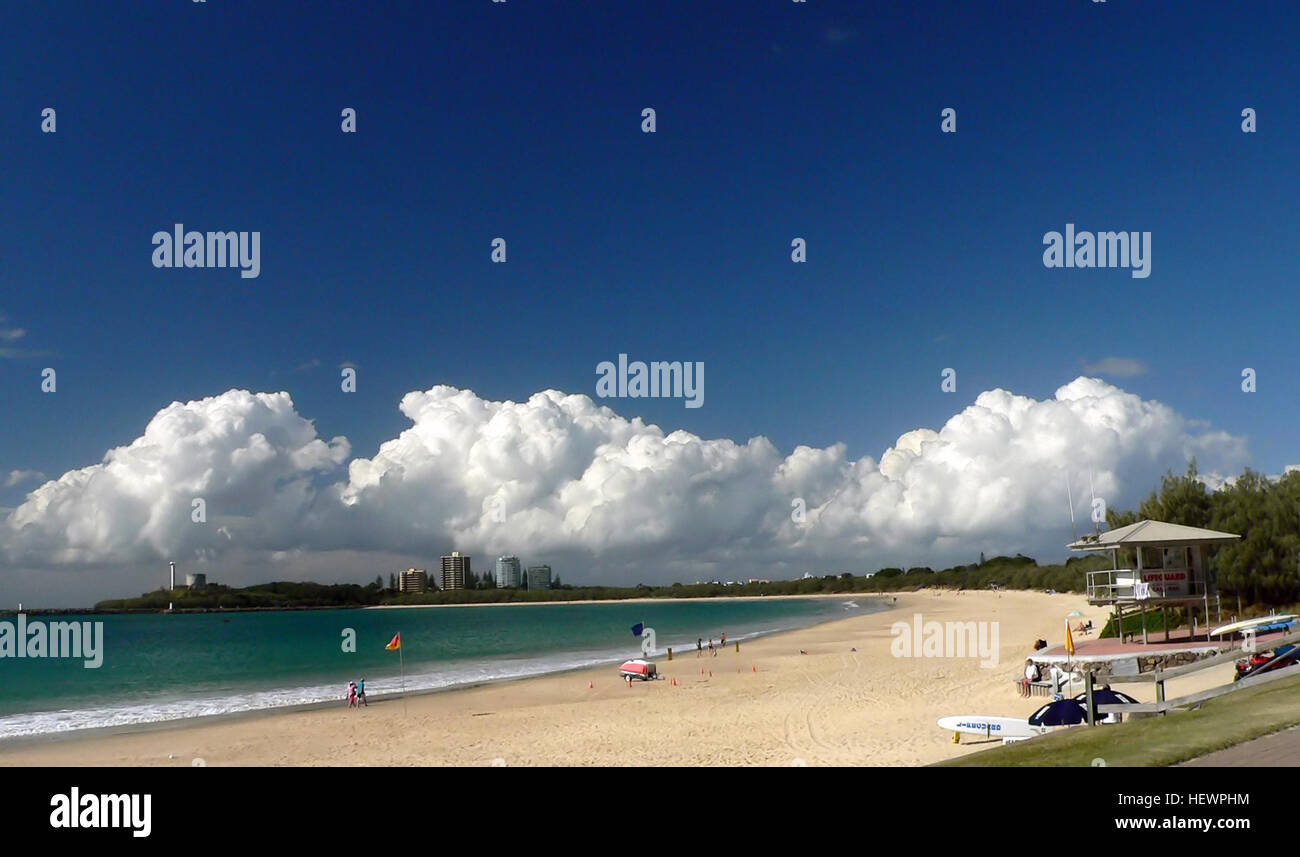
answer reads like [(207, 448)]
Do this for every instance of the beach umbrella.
[(1062, 712), (1105, 696), (1075, 614)]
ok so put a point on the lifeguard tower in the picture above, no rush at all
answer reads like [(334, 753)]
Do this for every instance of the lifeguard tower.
[(1170, 569)]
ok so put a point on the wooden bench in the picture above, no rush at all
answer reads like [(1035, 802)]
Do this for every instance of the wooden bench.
[(1036, 688)]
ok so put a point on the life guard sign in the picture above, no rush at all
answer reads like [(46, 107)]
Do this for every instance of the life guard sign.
[(1172, 577), (1166, 583)]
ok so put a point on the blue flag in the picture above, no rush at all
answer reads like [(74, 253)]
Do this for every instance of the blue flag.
[(637, 629)]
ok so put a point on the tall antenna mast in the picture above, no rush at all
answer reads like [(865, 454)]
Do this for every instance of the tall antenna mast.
[(1070, 496), (1096, 525)]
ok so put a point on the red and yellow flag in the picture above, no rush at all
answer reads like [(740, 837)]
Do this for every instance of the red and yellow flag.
[(395, 643)]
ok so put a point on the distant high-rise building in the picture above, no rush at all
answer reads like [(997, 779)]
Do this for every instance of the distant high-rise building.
[(455, 571), (508, 572), (413, 580), (539, 577)]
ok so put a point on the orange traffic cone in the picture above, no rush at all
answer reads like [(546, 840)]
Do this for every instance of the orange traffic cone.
[(590, 686)]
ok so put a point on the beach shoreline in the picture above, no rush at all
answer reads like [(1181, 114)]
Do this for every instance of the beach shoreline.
[(135, 611), (832, 693), (378, 698), (641, 600)]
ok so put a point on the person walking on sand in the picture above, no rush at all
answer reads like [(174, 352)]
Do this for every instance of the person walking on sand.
[(712, 652), (723, 642), (352, 694), (699, 647), (361, 693)]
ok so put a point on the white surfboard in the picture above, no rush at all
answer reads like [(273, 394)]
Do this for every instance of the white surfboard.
[(991, 727), (1246, 624)]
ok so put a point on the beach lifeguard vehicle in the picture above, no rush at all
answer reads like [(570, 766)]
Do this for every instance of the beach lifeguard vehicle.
[(638, 668)]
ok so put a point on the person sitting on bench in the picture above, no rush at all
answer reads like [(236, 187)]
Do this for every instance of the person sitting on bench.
[(1031, 676)]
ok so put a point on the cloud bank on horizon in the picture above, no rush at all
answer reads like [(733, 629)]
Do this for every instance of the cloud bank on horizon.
[(621, 500)]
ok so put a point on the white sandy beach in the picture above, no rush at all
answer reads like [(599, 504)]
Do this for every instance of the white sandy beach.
[(769, 705)]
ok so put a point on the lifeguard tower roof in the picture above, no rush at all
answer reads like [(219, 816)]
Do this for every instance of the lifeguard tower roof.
[(1145, 533)]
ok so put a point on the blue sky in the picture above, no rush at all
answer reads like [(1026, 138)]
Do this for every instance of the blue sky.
[(522, 120)]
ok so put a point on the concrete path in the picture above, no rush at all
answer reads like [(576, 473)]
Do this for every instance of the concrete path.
[(1279, 750)]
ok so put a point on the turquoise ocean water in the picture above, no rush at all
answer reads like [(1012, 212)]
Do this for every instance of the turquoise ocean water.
[(163, 667)]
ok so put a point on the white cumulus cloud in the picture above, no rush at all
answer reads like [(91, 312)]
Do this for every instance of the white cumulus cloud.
[(250, 458), (561, 478), (18, 477)]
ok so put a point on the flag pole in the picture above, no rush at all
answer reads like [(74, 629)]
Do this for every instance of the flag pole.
[(401, 661)]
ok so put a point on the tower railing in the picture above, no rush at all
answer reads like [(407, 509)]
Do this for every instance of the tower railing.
[(1120, 584)]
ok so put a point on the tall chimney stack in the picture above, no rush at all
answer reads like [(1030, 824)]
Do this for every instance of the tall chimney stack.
[(173, 565)]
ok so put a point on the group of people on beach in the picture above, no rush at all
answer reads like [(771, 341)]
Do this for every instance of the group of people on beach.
[(357, 694), (699, 646)]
